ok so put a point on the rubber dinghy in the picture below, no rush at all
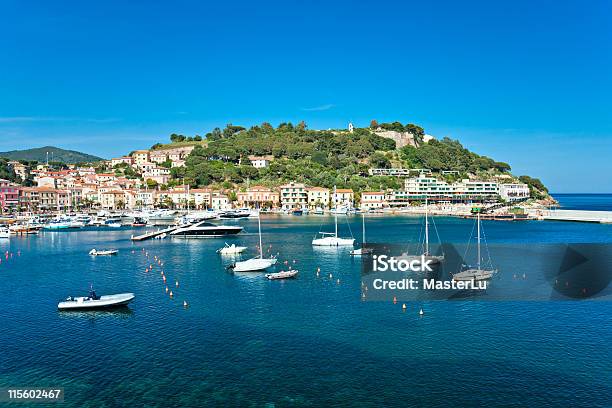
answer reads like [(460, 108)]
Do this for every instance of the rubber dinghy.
[(95, 302)]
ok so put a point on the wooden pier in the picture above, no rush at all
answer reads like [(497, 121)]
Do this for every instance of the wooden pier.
[(154, 234)]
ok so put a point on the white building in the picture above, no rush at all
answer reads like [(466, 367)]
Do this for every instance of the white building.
[(372, 200), (514, 191), (293, 195), (260, 162)]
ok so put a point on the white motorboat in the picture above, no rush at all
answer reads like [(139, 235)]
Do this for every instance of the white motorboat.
[(204, 229), (259, 263), (95, 302), (282, 274), (4, 232), (57, 224), (231, 249), (478, 273), (331, 239), (95, 252)]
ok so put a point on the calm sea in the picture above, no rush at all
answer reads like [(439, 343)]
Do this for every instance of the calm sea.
[(245, 341), (592, 202)]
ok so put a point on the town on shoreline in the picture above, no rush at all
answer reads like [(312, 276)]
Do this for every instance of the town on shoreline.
[(159, 178)]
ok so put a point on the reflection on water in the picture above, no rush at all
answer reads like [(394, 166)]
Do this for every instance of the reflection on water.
[(111, 312)]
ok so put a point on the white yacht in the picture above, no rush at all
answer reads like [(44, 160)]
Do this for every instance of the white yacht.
[(259, 263), (231, 249), (331, 238), (205, 229), (4, 232)]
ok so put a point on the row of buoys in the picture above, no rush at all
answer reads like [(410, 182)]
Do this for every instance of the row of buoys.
[(158, 261)]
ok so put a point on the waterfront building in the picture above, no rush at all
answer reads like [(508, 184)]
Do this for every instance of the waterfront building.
[(318, 197), (293, 195), (514, 191), (344, 197), (258, 197), (202, 197), (145, 198), (9, 195), (112, 200), (220, 202), (372, 200)]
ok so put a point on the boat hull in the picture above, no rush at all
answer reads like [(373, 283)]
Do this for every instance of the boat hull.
[(333, 241), (474, 275), (104, 302), (254, 265)]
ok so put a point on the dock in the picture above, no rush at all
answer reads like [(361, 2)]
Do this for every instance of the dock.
[(603, 217), (154, 234)]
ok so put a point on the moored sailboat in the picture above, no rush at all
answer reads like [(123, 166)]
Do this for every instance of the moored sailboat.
[(332, 238), (479, 272)]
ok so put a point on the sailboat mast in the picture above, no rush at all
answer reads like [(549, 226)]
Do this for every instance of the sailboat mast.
[(363, 221), (478, 221), (336, 211), (426, 227), (260, 245)]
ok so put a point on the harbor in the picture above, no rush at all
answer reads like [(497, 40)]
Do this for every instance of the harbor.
[(193, 320)]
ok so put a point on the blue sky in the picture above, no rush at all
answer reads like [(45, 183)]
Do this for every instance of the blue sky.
[(521, 81)]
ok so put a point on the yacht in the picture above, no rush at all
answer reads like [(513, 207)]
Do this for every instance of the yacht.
[(332, 238), (4, 232), (234, 214), (205, 229)]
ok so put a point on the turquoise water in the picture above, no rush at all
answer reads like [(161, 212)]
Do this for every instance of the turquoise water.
[(245, 341)]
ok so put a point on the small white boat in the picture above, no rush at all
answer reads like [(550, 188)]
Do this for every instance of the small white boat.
[(4, 232), (282, 274), (95, 302), (231, 249), (361, 252), (95, 252), (113, 225)]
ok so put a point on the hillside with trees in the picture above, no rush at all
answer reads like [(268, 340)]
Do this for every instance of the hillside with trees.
[(325, 158)]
